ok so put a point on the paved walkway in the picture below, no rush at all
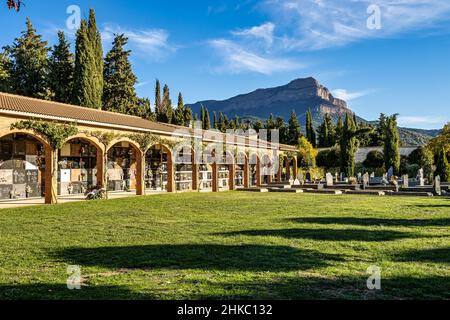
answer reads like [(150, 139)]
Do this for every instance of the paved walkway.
[(64, 199)]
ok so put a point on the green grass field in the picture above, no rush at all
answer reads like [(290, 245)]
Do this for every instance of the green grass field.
[(228, 246)]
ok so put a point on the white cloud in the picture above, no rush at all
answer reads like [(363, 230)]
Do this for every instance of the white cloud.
[(318, 24), (264, 31), (343, 94), (152, 43), (238, 59)]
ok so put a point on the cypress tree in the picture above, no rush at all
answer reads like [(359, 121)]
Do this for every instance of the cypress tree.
[(236, 122), (166, 108), (29, 65), (222, 122), (61, 70), (88, 80), (158, 104), (187, 116), (97, 59), (179, 111), (322, 134), (258, 125), (391, 142), (294, 129), (202, 116), (339, 128), (119, 94), (349, 145), (310, 132), (215, 123), (207, 120), (442, 166), (143, 109)]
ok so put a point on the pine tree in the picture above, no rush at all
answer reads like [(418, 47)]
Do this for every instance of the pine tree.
[(310, 132), (88, 80), (61, 70), (28, 66), (207, 119), (294, 129), (119, 94), (187, 116), (442, 166), (158, 104), (391, 142), (179, 111)]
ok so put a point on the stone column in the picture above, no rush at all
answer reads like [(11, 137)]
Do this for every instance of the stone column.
[(194, 172), (215, 177), (258, 172), (280, 172), (100, 164), (140, 167), (170, 174), (295, 169), (246, 173), (232, 169), (288, 169), (51, 175)]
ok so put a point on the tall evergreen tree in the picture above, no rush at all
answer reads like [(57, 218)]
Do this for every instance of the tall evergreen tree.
[(61, 70), (29, 65), (215, 122), (222, 122), (339, 128), (442, 166), (88, 79), (119, 94), (178, 115), (349, 145), (391, 142), (326, 133), (310, 132), (207, 120), (236, 122), (294, 129), (4, 72), (202, 116), (142, 109), (258, 125), (166, 108), (187, 116), (158, 104)]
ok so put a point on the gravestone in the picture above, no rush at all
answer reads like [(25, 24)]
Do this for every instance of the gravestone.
[(405, 181), (300, 177), (341, 177), (308, 177), (437, 186), (420, 177), (329, 178), (366, 180), (336, 177), (372, 175), (359, 177)]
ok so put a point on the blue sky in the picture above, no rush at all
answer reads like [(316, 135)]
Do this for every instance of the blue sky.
[(218, 49)]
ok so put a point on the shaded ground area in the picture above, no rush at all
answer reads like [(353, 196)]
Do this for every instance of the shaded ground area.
[(228, 246)]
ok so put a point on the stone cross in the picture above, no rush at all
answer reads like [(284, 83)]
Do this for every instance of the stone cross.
[(437, 186), (329, 178), (405, 181)]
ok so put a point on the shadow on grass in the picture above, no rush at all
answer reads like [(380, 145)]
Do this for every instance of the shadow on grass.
[(438, 255), (204, 257), (374, 221), (327, 234), (292, 288)]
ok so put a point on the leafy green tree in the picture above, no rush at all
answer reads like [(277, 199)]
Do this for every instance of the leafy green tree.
[(442, 166), (88, 79), (306, 153), (61, 70), (179, 111), (374, 160), (142, 108), (294, 129), (391, 142), (349, 145), (29, 65), (422, 157), (310, 132), (119, 94), (4, 72)]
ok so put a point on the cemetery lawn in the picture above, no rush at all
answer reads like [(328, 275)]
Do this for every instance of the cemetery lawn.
[(230, 245)]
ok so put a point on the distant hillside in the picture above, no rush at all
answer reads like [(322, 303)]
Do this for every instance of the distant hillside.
[(300, 95)]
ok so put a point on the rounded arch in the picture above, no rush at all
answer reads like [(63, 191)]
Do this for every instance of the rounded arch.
[(241, 158), (132, 143), (158, 169), (92, 140), (35, 135)]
